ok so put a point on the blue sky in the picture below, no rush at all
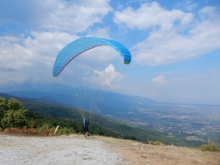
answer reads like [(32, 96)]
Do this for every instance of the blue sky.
[(175, 45)]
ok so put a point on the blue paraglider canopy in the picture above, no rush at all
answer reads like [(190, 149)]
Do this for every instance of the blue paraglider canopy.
[(77, 47)]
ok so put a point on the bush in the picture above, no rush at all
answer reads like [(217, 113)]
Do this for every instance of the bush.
[(155, 142), (65, 131), (42, 128), (209, 147)]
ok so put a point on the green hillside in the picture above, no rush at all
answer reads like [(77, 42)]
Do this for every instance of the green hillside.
[(70, 113)]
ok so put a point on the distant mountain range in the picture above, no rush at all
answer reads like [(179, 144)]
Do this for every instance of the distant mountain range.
[(105, 103)]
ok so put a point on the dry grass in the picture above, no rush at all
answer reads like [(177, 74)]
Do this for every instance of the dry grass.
[(143, 154), (27, 132)]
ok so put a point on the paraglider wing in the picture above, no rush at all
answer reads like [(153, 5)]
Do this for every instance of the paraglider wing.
[(77, 47)]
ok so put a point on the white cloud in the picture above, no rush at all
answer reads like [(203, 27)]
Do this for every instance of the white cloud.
[(207, 12), (96, 78), (73, 15), (108, 77), (100, 32), (30, 59), (189, 5), (159, 80), (150, 15), (19, 52), (170, 41)]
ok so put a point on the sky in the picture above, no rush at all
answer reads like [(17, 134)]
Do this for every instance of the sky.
[(175, 45)]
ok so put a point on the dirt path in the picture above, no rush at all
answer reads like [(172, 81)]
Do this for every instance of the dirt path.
[(75, 149)]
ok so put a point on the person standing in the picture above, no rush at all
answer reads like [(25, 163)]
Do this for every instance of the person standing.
[(86, 127)]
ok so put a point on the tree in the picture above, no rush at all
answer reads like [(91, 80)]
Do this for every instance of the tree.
[(12, 114), (3, 108), (7, 119), (14, 104), (14, 118), (3, 104), (20, 118)]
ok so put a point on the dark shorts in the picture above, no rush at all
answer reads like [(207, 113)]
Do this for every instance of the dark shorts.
[(85, 130)]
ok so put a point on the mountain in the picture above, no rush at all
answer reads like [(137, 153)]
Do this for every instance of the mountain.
[(105, 103)]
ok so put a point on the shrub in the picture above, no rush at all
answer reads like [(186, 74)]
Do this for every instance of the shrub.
[(155, 142), (209, 147), (43, 127), (65, 131)]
